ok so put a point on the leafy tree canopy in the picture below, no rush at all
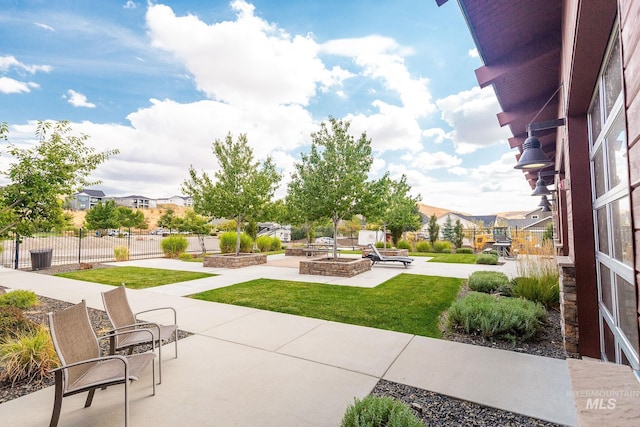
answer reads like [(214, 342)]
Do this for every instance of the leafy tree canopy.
[(242, 186), (59, 164), (330, 181)]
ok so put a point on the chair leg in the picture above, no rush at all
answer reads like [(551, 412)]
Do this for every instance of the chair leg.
[(89, 400), (175, 342), (126, 398), (57, 402), (159, 361)]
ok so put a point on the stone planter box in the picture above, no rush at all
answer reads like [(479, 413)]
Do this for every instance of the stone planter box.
[(233, 260), (342, 267), (297, 251), (387, 252)]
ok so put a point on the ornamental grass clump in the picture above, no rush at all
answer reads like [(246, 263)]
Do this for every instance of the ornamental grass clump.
[(12, 322), (404, 244), (173, 246), (228, 242), (489, 282), (491, 316), (19, 298), (423, 247), (442, 246), (27, 356), (373, 411), (121, 253), (539, 276)]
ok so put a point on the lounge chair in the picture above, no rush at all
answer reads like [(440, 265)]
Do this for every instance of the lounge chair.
[(375, 256), (122, 318), (82, 366)]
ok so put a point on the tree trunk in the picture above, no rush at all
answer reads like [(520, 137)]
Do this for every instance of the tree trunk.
[(335, 236), (238, 230)]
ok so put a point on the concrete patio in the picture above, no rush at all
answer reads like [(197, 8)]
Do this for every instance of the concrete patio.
[(245, 366)]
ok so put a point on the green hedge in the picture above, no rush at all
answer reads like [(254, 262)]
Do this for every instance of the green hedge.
[(487, 259), (489, 281)]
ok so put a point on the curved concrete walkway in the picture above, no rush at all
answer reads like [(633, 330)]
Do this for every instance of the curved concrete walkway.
[(246, 367)]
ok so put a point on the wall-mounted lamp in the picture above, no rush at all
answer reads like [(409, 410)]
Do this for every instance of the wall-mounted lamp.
[(541, 187), (544, 202), (533, 157)]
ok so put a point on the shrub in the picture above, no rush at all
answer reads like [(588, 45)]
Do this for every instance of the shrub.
[(464, 251), (376, 411), (121, 253), (186, 257), (228, 242), (173, 246), (12, 322), (380, 245), (544, 290), (276, 244), (489, 281), (263, 243), (487, 259), (495, 316), (29, 355), (441, 245), (493, 252), (403, 244), (423, 247), (19, 298)]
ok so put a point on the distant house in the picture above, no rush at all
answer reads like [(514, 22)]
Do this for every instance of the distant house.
[(85, 199), (136, 202), (176, 200)]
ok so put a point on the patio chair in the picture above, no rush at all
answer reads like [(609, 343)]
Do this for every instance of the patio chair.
[(376, 256), (122, 317), (83, 368)]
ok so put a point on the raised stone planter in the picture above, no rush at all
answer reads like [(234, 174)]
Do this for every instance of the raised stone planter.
[(341, 267), (297, 251), (233, 260), (387, 252)]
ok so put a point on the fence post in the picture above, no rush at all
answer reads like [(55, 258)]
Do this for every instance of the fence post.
[(17, 251), (80, 245)]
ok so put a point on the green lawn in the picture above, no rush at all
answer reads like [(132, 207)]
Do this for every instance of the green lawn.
[(407, 303), (134, 277), (449, 258)]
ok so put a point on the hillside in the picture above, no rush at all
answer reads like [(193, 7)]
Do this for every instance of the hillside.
[(151, 215)]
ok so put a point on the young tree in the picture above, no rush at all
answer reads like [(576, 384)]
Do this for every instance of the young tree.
[(332, 177), (458, 234), (434, 229), (129, 218), (168, 219), (241, 188), (58, 165), (193, 223), (402, 211), (447, 230), (102, 216)]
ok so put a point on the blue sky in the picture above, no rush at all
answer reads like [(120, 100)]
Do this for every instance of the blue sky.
[(160, 81)]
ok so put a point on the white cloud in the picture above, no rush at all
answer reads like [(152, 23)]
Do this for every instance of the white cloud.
[(431, 161), (44, 26), (130, 5), (472, 115), (473, 53), (390, 130), (435, 135), (9, 85), (79, 100), (8, 62), (245, 62), (383, 58)]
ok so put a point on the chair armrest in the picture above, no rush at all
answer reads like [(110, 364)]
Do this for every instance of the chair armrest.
[(112, 335), (175, 316), (95, 359)]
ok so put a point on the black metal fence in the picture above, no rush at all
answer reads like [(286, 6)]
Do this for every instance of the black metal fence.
[(82, 246)]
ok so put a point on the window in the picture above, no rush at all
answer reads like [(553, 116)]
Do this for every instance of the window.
[(612, 214)]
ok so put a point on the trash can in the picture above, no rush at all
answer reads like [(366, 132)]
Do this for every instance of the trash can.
[(40, 258)]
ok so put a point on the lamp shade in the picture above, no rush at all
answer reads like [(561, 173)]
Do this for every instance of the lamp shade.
[(532, 155), (544, 202), (541, 188), (545, 209)]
